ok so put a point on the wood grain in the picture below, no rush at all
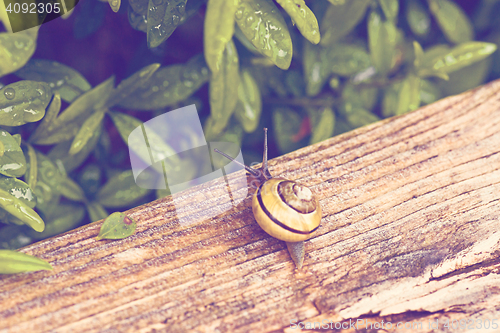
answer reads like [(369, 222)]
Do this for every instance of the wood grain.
[(410, 234)]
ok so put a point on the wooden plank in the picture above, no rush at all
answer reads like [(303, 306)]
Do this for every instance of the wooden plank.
[(410, 234)]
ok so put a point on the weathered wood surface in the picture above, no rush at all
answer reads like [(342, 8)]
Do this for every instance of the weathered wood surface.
[(410, 233)]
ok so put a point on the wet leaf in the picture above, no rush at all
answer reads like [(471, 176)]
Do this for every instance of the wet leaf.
[(157, 150), (287, 124), (60, 154), (86, 132), (223, 89), (31, 175), (19, 209), (19, 190), (454, 23), (117, 226), (441, 60), (23, 102), (303, 17), (341, 19), (317, 68), (12, 161), (390, 8), (15, 50), (163, 17), (348, 59), (71, 190), (12, 262), (418, 18), (96, 211), (262, 24), (62, 219), (115, 5), (409, 95), (137, 21), (68, 123), (218, 30), (62, 79), (49, 179), (249, 104), (121, 190), (323, 123), (169, 85), (382, 37), (139, 6), (130, 84)]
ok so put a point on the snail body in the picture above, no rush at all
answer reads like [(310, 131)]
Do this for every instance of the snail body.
[(283, 208)]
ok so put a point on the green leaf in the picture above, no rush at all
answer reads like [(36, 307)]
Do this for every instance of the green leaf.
[(409, 95), (23, 102), (341, 19), (62, 79), (15, 50), (169, 85), (49, 179), (157, 150), (323, 123), (62, 219), (60, 154), (466, 78), (218, 31), (86, 132), (390, 8), (295, 83), (117, 226), (429, 92), (130, 84), (31, 175), (138, 21), (12, 161), (12, 262), (287, 124), (162, 18), (364, 97), (19, 190), (249, 104), (115, 5), (262, 24), (303, 17), (454, 23), (139, 6), (96, 211), (68, 123), (440, 60), (418, 18), (348, 59), (120, 191), (419, 54), (71, 190), (390, 100), (223, 89), (317, 68), (357, 116), (21, 210), (382, 38)]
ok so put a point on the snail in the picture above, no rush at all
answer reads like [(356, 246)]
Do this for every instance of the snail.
[(285, 209)]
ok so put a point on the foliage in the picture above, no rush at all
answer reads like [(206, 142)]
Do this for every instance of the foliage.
[(306, 69)]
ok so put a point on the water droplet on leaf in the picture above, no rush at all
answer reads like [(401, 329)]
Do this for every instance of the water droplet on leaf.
[(9, 93)]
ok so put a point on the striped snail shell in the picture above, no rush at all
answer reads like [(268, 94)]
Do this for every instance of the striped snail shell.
[(285, 209)]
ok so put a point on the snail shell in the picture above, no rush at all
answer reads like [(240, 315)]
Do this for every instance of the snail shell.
[(286, 210)]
